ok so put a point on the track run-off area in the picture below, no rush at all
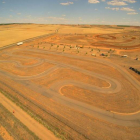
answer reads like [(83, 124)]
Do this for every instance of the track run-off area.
[(54, 92)]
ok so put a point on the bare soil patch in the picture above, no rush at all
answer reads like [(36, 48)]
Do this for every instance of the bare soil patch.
[(125, 102), (4, 134), (25, 71), (69, 74), (14, 127)]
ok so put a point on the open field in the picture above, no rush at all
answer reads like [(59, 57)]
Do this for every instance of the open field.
[(4, 134), (89, 35), (14, 33), (11, 128), (68, 84)]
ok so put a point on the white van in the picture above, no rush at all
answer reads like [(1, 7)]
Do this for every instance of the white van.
[(19, 43)]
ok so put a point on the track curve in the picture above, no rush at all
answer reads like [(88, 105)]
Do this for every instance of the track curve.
[(132, 119)]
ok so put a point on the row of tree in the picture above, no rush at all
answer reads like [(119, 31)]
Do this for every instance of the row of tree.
[(135, 70)]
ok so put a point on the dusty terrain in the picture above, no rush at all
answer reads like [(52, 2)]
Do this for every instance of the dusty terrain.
[(77, 81), (34, 126), (11, 128), (17, 32)]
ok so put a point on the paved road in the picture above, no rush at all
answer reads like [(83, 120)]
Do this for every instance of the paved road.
[(52, 93)]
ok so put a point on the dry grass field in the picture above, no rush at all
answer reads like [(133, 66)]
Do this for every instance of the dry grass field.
[(11, 128), (17, 32), (76, 82)]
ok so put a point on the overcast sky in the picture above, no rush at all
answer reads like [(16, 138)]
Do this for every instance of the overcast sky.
[(122, 12)]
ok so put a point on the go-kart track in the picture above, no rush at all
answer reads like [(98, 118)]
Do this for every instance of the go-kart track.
[(54, 92)]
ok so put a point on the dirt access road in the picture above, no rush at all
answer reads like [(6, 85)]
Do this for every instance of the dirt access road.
[(33, 125)]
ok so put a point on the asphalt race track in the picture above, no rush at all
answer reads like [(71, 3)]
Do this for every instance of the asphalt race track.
[(130, 119)]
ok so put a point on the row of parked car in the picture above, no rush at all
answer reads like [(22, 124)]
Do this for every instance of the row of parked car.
[(135, 70)]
